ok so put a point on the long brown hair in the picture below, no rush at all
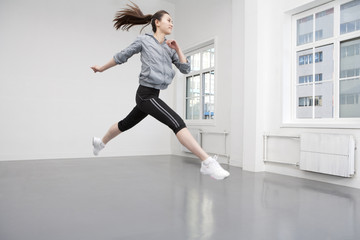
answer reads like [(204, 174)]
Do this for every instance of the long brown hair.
[(126, 18)]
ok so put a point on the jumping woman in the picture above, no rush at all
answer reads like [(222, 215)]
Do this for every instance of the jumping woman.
[(157, 56)]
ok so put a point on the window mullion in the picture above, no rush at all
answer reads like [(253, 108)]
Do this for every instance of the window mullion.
[(336, 76), (313, 82), (313, 66), (201, 80), (293, 95), (202, 95)]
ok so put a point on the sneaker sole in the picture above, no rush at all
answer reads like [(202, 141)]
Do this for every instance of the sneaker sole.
[(212, 176)]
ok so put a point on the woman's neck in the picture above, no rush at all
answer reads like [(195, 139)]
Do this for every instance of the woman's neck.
[(159, 36)]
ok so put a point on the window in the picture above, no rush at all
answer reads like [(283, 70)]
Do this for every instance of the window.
[(305, 79), (200, 84), (327, 62), (318, 77), (318, 57), (308, 101), (349, 17)]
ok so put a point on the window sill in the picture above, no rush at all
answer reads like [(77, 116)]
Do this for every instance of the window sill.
[(350, 124)]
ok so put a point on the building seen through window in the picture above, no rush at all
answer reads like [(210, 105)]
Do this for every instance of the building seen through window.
[(327, 69)]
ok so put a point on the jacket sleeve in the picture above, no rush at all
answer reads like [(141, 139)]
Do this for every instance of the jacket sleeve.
[(128, 52), (183, 67)]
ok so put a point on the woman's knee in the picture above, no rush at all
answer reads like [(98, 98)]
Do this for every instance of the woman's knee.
[(177, 129)]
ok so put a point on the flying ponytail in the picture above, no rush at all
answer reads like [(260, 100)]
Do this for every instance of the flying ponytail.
[(131, 16)]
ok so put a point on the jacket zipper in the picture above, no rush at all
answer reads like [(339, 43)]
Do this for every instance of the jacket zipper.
[(163, 63)]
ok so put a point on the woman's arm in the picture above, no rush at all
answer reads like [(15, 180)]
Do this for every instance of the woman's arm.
[(173, 44), (121, 57), (178, 58), (108, 65), (181, 55)]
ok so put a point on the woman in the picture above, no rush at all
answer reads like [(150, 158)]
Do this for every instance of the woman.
[(157, 56)]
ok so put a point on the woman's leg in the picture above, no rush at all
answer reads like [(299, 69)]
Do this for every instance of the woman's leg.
[(209, 165), (187, 140), (133, 118), (162, 112), (111, 133)]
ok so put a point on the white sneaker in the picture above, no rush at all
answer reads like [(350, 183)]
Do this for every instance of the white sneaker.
[(211, 167), (98, 145)]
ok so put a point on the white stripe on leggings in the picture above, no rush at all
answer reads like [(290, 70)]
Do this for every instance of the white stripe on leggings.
[(161, 109)]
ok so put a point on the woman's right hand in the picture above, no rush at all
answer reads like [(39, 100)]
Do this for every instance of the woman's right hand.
[(108, 65), (96, 68)]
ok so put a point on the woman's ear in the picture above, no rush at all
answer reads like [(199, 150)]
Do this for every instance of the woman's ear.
[(157, 23)]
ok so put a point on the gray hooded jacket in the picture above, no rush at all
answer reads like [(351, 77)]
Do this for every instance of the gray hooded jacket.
[(156, 59)]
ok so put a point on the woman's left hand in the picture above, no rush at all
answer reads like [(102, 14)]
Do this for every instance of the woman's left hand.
[(172, 44)]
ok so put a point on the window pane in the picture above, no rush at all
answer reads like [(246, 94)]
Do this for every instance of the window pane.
[(188, 87), (193, 86), (192, 62), (350, 98), (209, 83), (304, 73), (324, 69), (206, 57), (350, 59), (212, 82), (304, 102), (196, 62), (350, 17), (305, 30), (193, 97), (208, 95), (212, 51), (208, 107), (196, 85), (193, 108), (324, 100), (324, 24)]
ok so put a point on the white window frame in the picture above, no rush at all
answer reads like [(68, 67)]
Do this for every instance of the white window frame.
[(289, 108), (188, 52)]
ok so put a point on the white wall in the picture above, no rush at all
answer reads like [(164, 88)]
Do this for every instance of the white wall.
[(237, 85), (51, 103), (253, 90), (273, 29)]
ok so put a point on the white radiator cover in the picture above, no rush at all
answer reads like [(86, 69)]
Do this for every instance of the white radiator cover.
[(328, 153)]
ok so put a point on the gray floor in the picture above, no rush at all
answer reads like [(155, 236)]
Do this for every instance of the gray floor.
[(165, 197)]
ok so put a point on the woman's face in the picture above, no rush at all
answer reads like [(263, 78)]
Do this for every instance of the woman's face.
[(165, 25)]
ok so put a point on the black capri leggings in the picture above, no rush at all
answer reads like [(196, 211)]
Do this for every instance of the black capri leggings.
[(148, 102)]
